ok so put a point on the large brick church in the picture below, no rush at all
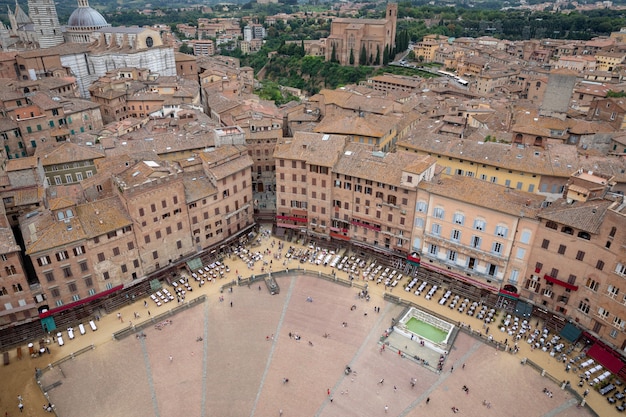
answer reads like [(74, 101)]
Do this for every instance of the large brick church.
[(348, 36)]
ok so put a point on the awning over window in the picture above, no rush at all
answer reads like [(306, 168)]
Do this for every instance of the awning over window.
[(194, 264), (605, 357), (523, 309), (571, 332)]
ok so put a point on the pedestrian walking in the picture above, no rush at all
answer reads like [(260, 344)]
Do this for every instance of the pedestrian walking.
[(280, 412), (145, 303), (19, 398), (451, 369), (427, 400), (21, 407), (463, 367), (231, 303), (328, 391), (386, 408), (171, 358), (382, 380)]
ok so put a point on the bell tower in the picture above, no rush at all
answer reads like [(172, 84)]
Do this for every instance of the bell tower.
[(391, 17), (43, 13)]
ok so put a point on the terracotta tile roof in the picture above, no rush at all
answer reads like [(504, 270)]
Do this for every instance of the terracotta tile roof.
[(27, 196), (586, 216), (484, 194), (68, 152), (44, 101), (559, 161), (103, 216), (143, 172), (60, 203), (19, 164), (197, 186), (314, 148), (225, 160), (360, 161), (47, 233), (372, 125), (7, 241)]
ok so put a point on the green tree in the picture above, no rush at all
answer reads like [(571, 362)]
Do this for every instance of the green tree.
[(351, 56), (186, 49), (377, 60), (363, 56), (333, 54), (386, 55)]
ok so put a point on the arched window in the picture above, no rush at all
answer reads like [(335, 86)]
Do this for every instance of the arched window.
[(584, 235), (567, 230), (551, 225)]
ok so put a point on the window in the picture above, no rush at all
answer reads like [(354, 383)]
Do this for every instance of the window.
[(604, 314), (620, 269), (551, 225), (612, 291), (420, 207), (458, 218), (554, 273), (84, 267), (583, 306), (419, 222), (106, 275), (592, 284), (116, 251), (514, 276), (49, 276), (130, 245), (61, 256), (497, 247), (438, 213), (124, 268), (567, 230), (562, 249), (613, 231), (475, 242), (545, 243), (146, 238), (101, 257), (452, 255), (88, 282), (44, 260), (502, 231), (521, 253), (436, 229), (584, 235), (155, 255), (479, 224), (580, 255), (433, 249), (55, 292), (456, 235), (600, 265), (79, 250), (67, 272), (617, 322)]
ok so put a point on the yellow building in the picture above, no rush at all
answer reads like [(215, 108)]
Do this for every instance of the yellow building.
[(528, 169)]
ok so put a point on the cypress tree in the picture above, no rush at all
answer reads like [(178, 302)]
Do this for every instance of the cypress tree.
[(363, 56)]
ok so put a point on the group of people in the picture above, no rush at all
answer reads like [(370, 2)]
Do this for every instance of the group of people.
[(547, 392)]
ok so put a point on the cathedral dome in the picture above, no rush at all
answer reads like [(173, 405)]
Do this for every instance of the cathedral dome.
[(86, 17)]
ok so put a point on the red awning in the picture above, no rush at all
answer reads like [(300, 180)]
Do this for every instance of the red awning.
[(561, 283), (509, 293), (607, 358), (79, 302), (292, 218), (339, 236)]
